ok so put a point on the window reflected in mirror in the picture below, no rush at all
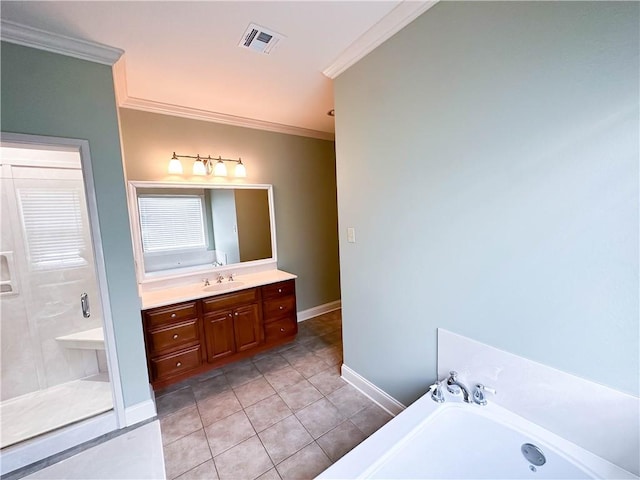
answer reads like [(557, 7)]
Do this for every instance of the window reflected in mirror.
[(183, 228)]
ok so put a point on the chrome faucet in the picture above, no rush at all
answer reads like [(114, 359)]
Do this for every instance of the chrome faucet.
[(436, 392), (219, 278), (231, 277), (455, 387), (478, 394), (206, 282)]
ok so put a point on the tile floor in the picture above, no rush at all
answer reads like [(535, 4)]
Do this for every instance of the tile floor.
[(283, 414)]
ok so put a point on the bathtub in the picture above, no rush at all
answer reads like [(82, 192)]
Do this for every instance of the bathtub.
[(467, 441)]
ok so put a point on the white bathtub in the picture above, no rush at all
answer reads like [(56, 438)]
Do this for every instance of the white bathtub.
[(456, 440)]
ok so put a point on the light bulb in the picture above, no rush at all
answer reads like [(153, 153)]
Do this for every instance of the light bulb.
[(241, 171), (199, 168), (175, 167), (220, 170)]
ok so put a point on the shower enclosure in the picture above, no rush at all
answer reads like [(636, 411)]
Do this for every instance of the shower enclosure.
[(54, 368)]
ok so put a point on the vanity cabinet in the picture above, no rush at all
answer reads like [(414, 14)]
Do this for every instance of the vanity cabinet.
[(188, 338), (232, 323), (279, 311), (173, 338)]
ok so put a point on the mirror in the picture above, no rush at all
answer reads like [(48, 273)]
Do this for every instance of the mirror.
[(180, 228)]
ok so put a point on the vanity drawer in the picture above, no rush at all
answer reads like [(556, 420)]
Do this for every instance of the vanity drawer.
[(279, 289), (278, 307), (173, 313), (176, 363), (230, 300), (173, 336), (279, 329)]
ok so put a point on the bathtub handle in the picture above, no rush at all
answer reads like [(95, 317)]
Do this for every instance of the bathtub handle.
[(84, 303)]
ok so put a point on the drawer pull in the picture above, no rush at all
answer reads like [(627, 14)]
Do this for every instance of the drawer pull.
[(179, 364), (175, 336), (174, 315), (279, 290)]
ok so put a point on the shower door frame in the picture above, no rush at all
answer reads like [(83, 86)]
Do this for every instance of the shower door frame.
[(48, 444)]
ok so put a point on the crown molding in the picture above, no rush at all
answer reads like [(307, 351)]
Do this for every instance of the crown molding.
[(51, 42), (398, 18), (208, 116)]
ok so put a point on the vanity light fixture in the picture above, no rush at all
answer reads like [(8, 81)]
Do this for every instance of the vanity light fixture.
[(207, 166)]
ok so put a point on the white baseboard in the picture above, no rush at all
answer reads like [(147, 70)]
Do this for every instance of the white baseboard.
[(379, 396), (140, 412), (319, 310)]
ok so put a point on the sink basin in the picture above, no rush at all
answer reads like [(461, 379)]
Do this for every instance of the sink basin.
[(221, 287)]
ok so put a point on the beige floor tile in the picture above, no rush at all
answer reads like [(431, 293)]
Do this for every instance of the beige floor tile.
[(309, 365), (204, 471), (331, 355), (320, 417), (340, 440), (285, 438), (270, 475), (245, 461), (228, 432), (210, 386), (174, 401), (186, 453), (300, 395), (328, 381), (217, 407), (349, 400), (306, 464), (270, 363), (283, 378), (267, 412), (370, 419), (179, 424), (295, 353), (240, 373), (254, 391)]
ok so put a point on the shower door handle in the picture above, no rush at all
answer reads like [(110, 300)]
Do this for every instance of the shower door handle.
[(84, 302)]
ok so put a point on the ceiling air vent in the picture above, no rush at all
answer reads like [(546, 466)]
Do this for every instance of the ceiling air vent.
[(260, 39)]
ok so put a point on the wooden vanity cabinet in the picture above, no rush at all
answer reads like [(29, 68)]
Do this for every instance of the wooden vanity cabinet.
[(172, 337), (279, 311), (232, 323), (191, 337)]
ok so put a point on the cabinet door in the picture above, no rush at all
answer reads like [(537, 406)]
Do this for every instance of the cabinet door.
[(247, 327), (219, 335)]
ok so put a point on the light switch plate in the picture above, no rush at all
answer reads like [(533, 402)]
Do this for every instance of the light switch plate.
[(351, 235)]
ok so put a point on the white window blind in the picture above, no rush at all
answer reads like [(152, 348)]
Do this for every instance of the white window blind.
[(52, 220), (171, 222)]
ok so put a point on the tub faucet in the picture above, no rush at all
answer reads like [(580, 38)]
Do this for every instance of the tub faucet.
[(455, 387), (219, 278), (206, 282)]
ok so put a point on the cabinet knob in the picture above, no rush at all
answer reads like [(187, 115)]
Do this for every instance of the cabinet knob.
[(175, 336), (279, 290), (281, 307), (236, 314), (282, 329), (179, 364), (230, 315), (174, 315)]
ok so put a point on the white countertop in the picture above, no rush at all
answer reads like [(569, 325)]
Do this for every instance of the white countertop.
[(184, 293)]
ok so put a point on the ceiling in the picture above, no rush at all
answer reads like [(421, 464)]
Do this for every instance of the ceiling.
[(182, 57)]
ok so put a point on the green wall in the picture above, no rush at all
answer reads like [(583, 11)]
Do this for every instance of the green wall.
[(54, 95), (301, 170), (487, 156)]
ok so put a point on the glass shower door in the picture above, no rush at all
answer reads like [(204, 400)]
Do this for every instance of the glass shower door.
[(54, 368)]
